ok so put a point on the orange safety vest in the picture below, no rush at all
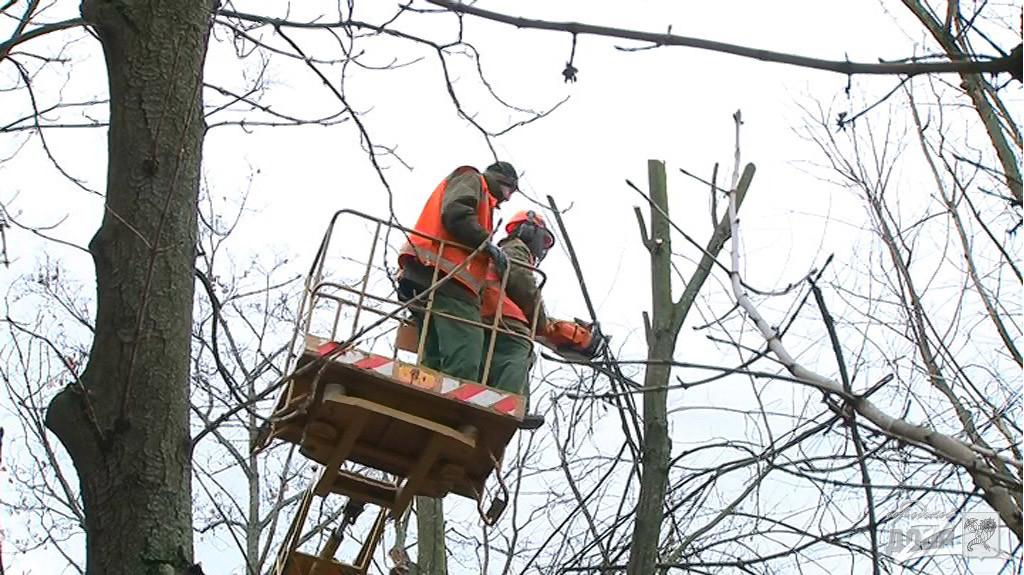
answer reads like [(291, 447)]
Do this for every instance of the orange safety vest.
[(427, 248), (489, 305)]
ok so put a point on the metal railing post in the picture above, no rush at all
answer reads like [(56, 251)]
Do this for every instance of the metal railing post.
[(430, 307), (366, 278), (494, 324)]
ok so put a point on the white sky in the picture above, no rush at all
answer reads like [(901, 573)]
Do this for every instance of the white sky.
[(673, 104)]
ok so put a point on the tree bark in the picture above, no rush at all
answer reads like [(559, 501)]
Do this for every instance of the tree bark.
[(661, 342), (667, 318), (430, 548), (125, 423)]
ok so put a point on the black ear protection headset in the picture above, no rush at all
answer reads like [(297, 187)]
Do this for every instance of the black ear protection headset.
[(535, 235)]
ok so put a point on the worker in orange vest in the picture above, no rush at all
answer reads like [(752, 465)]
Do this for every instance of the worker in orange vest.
[(527, 242), (456, 220)]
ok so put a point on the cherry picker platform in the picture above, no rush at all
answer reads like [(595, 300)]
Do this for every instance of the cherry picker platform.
[(383, 429)]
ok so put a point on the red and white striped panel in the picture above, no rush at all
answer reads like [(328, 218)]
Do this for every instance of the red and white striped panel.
[(496, 400)]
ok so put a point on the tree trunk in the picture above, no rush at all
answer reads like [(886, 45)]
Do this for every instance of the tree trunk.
[(253, 526), (126, 422), (661, 341), (430, 549), (662, 331)]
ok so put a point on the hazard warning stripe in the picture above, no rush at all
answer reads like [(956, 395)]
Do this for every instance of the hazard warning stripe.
[(506, 405), (465, 391), (474, 393), (327, 348), (371, 362), (448, 384), (380, 364), (486, 398)]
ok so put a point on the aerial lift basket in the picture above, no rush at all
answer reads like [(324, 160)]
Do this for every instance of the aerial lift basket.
[(361, 415)]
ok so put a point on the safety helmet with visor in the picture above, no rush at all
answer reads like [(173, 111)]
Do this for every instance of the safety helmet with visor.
[(530, 227)]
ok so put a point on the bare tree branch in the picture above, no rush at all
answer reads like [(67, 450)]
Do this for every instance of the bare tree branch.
[(1011, 63)]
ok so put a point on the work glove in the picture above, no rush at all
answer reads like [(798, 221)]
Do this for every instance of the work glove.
[(499, 258)]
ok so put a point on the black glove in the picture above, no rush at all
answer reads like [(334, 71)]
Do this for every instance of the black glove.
[(499, 258)]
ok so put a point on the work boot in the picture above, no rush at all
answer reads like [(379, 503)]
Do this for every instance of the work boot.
[(531, 421)]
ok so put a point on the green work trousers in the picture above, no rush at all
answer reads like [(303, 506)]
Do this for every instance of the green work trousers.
[(453, 347), (510, 364)]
